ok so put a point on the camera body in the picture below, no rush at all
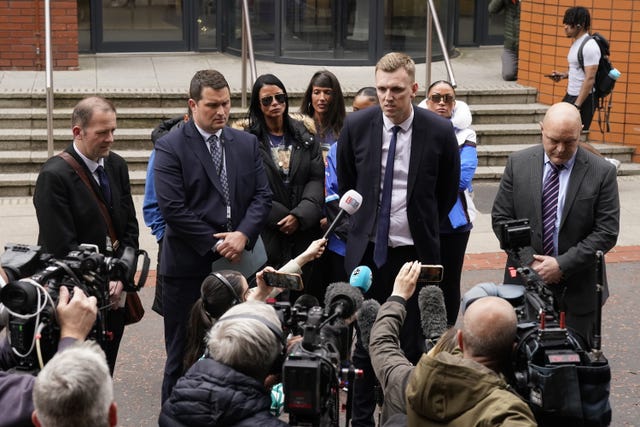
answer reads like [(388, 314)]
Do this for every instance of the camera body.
[(312, 369), (30, 298), (563, 380)]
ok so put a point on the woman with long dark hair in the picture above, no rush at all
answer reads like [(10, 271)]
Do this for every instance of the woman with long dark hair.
[(295, 171)]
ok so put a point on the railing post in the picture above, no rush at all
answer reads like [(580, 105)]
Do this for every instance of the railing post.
[(48, 76), (247, 45), (432, 17)]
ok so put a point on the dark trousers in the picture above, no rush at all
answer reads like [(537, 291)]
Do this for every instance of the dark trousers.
[(411, 338), (179, 295), (157, 298), (452, 249), (586, 109), (115, 325)]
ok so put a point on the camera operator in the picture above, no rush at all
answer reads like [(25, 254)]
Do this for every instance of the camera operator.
[(570, 197), (445, 388), (76, 317), (75, 387), (226, 387)]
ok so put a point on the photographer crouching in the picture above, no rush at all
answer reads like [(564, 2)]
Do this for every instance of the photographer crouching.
[(76, 317)]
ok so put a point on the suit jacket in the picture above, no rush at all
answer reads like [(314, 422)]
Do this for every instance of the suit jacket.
[(590, 218), (192, 202), (434, 171), (68, 214)]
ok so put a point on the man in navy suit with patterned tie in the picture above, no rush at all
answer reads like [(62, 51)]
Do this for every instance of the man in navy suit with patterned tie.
[(570, 223), (214, 195), (405, 163)]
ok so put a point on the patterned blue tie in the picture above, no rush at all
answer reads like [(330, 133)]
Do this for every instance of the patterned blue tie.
[(550, 192), (382, 233), (104, 184), (215, 145)]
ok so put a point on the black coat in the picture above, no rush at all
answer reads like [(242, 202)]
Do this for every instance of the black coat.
[(302, 197), (68, 214), (212, 394)]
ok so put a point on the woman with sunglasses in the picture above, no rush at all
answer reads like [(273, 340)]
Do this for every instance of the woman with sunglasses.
[(295, 170), (454, 233)]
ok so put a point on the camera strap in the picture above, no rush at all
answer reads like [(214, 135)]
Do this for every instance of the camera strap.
[(115, 243)]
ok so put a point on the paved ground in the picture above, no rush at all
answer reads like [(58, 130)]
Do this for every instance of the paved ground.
[(139, 372)]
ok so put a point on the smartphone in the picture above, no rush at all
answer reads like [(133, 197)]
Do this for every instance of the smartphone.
[(283, 280), (430, 273)]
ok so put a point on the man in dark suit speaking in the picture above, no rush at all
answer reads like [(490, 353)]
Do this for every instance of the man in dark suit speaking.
[(570, 197), (214, 195), (69, 213), (405, 163)]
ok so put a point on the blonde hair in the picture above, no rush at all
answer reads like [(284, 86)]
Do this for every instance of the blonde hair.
[(396, 60)]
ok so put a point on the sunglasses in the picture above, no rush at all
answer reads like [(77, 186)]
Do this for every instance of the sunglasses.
[(281, 98), (436, 97)]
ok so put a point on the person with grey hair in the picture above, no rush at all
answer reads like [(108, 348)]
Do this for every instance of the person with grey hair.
[(226, 388), (75, 385)]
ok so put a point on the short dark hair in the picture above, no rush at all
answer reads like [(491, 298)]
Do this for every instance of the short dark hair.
[(206, 78), (368, 91), (83, 111), (577, 16), (446, 82)]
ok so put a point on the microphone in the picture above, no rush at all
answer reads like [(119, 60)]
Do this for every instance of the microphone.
[(433, 314), (361, 278), (366, 317), (350, 203), (342, 299), (305, 302)]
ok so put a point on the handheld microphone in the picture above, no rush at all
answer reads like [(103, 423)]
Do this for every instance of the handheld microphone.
[(361, 278), (350, 203), (433, 313), (366, 317), (342, 299)]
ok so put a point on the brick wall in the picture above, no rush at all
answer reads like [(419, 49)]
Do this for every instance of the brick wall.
[(544, 47), (22, 37)]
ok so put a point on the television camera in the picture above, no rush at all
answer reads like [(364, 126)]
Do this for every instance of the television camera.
[(315, 369), (30, 297), (564, 381)]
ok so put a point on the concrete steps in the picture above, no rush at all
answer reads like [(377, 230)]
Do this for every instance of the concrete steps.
[(505, 119)]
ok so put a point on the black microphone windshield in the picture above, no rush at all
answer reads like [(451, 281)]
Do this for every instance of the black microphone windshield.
[(433, 313), (343, 298), (366, 317), (305, 302)]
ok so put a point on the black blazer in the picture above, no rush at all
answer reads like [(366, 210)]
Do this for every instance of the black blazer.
[(432, 188), (68, 214), (191, 200)]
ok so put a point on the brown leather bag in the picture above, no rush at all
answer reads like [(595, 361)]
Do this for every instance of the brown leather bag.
[(133, 308)]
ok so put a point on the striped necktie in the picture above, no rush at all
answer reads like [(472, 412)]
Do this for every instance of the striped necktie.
[(550, 192)]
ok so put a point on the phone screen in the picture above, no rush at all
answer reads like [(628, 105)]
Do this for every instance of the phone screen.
[(283, 280), (430, 274)]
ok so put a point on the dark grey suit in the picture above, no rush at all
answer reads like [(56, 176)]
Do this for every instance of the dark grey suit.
[(590, 219)]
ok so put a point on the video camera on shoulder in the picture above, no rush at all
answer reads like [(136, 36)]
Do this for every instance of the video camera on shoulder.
[(29, 299)]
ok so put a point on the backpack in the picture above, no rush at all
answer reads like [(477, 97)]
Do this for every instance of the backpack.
[(604, 83)]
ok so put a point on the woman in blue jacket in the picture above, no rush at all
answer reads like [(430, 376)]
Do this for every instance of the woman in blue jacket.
[(454, 233)]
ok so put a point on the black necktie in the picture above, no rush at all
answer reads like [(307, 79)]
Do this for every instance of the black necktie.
[(550, 192), (104, 184), (382, 233)]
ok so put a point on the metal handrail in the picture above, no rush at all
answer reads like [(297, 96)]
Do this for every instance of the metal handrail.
[(247, 45), (432, 18)]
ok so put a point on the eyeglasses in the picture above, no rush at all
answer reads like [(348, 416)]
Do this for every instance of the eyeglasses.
[(281, 98), (437, 98)]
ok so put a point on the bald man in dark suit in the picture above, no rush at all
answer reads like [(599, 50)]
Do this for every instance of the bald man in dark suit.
[(587, 217)]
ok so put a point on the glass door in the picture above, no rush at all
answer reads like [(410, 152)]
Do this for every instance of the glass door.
[(141, 25)]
